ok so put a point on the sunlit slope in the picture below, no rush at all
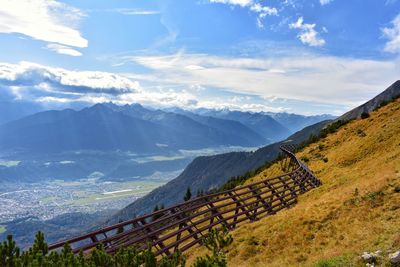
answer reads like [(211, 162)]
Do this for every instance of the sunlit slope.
[(356, 209)]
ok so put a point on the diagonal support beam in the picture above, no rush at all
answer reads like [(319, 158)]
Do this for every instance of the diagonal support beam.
[(257, 193), (287, 188), (241, 205), (276, 193), (154, 239)]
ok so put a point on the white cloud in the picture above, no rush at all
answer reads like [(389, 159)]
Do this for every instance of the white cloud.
[(161, 98), (393, 34), (52, 99), (308, 35), (135, 11), (232, 105), (264, 10), (62, 49), (260, 10), (45, 20), (312, 77), (325, 2), (242, 3)]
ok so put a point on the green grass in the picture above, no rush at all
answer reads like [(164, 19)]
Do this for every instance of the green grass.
[(339, 261), (138, 188)]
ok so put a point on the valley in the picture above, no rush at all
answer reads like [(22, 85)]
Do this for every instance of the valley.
[(39, 190), (50, 199), (58, 192)]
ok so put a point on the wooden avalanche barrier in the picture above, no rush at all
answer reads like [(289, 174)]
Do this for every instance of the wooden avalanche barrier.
[(185, 225)]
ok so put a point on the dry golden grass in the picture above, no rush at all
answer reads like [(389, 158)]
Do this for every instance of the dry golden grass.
[(356, 209)]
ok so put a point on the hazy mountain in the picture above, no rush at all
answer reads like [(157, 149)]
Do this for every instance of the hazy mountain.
[(96, 128), (230, 127), (260, 123), (13, 110), (106, 127), (234, 129), (282, 125), (296, 122)]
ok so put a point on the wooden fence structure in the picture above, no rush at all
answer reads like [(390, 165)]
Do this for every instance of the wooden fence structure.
[(185, 225)]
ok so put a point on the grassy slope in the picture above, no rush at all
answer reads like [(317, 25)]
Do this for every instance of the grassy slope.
[(357, 209)]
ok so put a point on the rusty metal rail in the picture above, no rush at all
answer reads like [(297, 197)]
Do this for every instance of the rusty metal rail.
[(184, 225)]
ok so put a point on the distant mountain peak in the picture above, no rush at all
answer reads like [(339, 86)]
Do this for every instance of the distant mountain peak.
[(137, 105)]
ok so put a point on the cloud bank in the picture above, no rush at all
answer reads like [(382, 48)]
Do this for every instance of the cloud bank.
[(310, 77), (312, 83), (29, 81)]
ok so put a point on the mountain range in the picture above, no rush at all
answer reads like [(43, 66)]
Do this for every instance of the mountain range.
[(102, 128), (272, 126), (134, 128)]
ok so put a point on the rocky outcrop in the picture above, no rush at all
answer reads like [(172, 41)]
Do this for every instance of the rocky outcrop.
[(372, 258), (394, 258)]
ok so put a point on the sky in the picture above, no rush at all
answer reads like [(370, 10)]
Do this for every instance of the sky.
[(297, 56)]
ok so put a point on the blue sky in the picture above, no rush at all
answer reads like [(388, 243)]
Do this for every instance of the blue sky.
[(308, 57)]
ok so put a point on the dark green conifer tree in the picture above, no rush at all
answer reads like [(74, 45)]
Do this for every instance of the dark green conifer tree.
[(188, 195)]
